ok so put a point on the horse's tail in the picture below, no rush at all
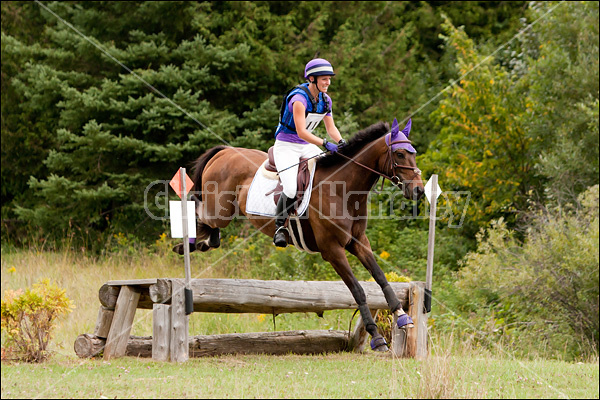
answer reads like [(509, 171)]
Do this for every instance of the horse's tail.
[(199, 166)]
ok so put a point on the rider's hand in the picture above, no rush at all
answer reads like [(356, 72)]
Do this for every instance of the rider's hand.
[(342, 143), (332, 147)]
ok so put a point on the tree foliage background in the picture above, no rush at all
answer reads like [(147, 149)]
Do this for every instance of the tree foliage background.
[(99, 99), (82, 137)]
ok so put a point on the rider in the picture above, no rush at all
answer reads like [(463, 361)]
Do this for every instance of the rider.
[(304, 108)]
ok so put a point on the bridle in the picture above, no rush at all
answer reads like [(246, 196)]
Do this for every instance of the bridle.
[(395, 179)]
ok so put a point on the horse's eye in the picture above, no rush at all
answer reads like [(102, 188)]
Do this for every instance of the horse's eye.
[(400, 155)]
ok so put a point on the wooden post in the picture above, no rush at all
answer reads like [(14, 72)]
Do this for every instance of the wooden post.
[(431, 240), (189, 302), (161, 332), (103, 322), (412, 342), (399, 339), (178, 347), (116, 342), (416, 337)]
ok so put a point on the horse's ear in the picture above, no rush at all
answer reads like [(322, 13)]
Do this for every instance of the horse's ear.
[(395, 127), (406, 129)]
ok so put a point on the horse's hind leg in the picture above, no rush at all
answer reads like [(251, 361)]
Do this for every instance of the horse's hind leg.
[(361, 248), (337, 258), (211, 236), (206, 238)]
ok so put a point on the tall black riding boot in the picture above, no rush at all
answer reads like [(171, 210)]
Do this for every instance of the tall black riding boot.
[(284, 207)]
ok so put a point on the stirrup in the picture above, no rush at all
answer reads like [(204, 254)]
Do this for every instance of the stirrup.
[(279, 238)]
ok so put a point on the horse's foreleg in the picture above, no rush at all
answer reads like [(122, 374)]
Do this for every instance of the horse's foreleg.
[(337, 258), (361, 248)]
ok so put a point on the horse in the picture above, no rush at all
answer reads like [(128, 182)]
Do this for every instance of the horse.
[(337, 211)]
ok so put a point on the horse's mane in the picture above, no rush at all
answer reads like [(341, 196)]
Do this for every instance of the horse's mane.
[(355, 144)]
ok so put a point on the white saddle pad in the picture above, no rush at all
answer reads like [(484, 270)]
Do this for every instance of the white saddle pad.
[(264, 182)]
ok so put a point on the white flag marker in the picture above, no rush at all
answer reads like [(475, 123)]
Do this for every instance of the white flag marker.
[(175, 210), (429, 188)]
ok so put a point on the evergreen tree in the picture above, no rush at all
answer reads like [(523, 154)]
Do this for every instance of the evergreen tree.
[(82, 137)]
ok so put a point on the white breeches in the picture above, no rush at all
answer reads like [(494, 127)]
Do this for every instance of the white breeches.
[(287, 154)]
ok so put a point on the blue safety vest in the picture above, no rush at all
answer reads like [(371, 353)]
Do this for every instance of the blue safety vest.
[(286, 117)]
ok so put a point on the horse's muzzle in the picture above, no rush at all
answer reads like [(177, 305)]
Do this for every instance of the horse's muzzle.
[(418, 192), (412, 192)]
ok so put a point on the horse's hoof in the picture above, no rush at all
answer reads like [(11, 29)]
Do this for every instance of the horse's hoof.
[(178, 248), (378, 343), (381, 349), (405, 321)]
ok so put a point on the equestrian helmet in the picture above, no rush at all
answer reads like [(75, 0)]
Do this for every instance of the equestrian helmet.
[(318, 67)]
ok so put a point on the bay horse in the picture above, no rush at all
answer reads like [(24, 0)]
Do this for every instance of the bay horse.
[(337, 209)]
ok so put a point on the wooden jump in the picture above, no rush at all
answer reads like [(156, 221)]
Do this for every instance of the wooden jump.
[(169, 341)]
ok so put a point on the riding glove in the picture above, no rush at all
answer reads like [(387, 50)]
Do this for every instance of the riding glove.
[(341, 143), (332, 147)]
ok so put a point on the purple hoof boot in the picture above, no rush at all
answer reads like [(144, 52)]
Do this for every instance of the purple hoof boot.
[(405, 321), (378, 343)]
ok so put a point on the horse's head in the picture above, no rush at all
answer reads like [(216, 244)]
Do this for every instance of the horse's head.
[(404, 171)]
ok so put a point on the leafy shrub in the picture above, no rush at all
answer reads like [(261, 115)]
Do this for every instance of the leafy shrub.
[(28, 319), (543, 292)]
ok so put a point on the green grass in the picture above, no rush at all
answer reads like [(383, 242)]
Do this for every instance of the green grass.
[(452, 371), (322, 376)]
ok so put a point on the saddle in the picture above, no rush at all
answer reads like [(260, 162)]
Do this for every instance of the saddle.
[(303, 181)]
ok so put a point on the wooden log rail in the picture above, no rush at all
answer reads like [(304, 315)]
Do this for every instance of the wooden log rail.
[(284, 342), (170, 341), (256, 296)]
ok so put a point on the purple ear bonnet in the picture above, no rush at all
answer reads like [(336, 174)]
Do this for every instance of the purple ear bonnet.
[(396, 135)]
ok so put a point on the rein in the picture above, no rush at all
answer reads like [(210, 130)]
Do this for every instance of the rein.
[(395, 179), (303, 161)]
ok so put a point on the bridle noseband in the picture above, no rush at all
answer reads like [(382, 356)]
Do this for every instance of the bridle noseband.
[(395, 179)]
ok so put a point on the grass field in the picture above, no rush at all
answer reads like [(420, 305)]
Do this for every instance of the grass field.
[(452, 371), (325, 376)]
